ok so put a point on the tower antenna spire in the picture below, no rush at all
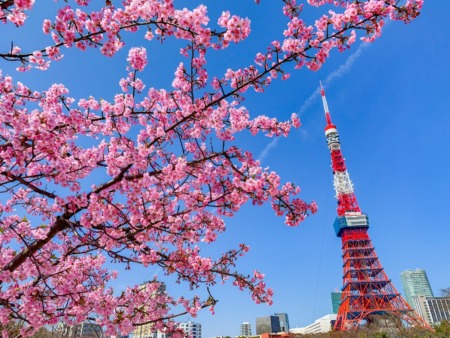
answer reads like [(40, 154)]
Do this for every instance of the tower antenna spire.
[(325, 105), (366, 290)]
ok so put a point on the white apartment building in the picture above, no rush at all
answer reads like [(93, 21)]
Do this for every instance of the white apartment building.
[(321, 325), (246, 329), (193, 330)]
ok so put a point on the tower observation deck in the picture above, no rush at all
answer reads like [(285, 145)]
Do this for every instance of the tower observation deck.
[(366, 290)]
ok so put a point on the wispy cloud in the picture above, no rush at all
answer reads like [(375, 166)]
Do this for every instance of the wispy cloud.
[(343, 69)]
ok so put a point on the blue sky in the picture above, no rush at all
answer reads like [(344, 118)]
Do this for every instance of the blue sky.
[(390, 101)]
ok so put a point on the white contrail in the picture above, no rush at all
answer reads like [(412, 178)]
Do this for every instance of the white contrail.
[(332, 76), (267, 149)]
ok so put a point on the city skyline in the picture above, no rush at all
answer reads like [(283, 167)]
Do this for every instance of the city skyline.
[(391, 102)]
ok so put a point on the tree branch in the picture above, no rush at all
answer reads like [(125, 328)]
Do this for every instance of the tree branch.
[(61, 224)]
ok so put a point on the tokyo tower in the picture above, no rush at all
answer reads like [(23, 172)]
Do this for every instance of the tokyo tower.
[(366, 290)]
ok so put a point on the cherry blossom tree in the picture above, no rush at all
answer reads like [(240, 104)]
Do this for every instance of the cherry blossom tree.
[(165, 167)]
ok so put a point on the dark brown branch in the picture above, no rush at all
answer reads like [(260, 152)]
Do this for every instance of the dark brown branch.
[(6, 4), (29, 185), (61, 224)]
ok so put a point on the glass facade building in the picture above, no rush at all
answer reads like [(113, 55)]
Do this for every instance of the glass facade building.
[(268, 324), (415, 283), (284, 321), (336, 301)]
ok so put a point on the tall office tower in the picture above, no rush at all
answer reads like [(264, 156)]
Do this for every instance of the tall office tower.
[(284, 321), (366, 289), (336, 301), (415, 283), (192, 330), (268, 324), (246, 329)]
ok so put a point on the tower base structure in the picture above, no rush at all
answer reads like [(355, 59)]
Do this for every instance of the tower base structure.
[(367, 291)]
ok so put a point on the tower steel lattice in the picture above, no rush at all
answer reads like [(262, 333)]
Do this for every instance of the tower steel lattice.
[(366, 290)]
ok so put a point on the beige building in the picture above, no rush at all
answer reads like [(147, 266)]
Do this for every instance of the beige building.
[(433, 310), (146, 330)]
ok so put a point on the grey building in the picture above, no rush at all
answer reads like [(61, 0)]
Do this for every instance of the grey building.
[(415, 283), (82, 330), (268, 324)]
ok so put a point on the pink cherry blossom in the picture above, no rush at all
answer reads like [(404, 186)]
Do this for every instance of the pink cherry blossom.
[(137, 57)]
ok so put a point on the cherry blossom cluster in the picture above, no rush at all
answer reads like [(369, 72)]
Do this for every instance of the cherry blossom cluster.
[(237, 29), (148, 176), (307, 44), (14, 11)]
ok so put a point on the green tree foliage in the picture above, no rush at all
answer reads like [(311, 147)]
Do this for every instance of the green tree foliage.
[(443, 330)]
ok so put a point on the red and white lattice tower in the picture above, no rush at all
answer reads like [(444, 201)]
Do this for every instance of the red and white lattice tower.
[(366, 289)]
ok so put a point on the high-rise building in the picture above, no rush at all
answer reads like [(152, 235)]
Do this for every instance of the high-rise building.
[(433, 309), (146, 330), (192, 330), (268, 324), (284, 321), (336, 301), (415, 283), (366, 288), (246, 329)]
